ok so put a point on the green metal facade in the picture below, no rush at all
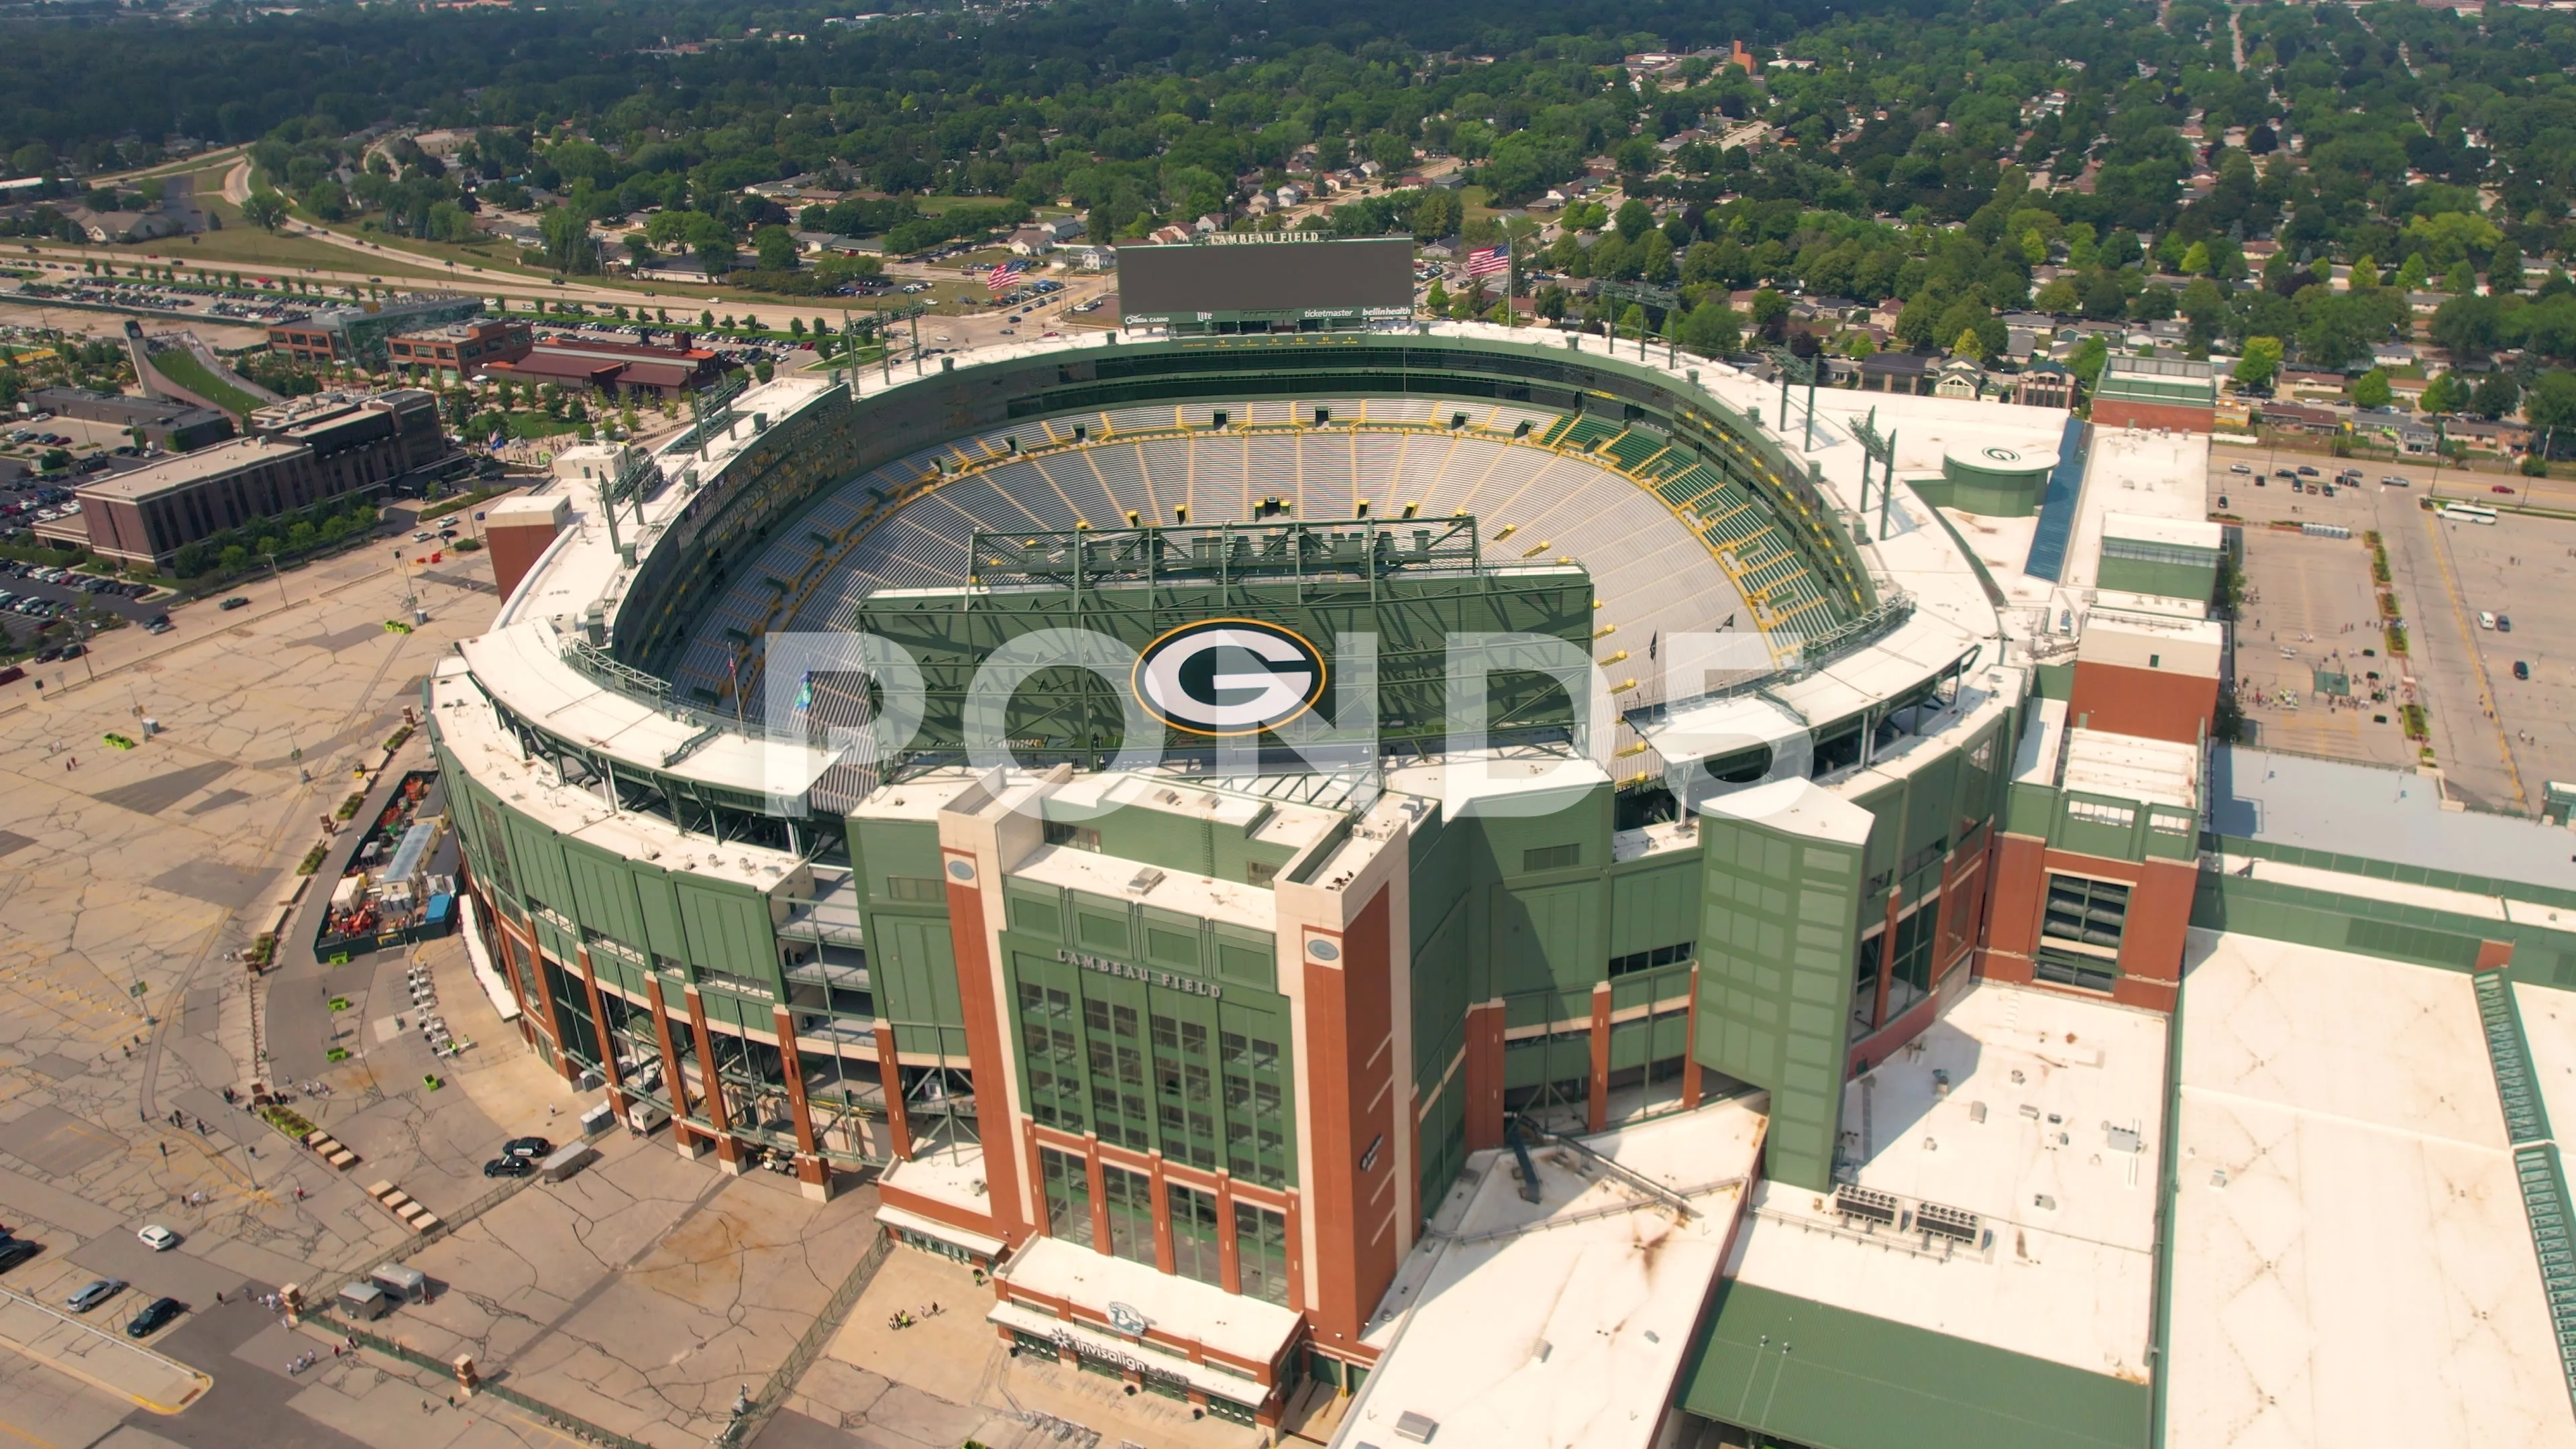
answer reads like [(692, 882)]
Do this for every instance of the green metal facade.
[(1830, 1378), (1779, 928)]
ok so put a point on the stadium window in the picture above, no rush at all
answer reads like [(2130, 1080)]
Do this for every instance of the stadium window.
[(914, 888), (2080, 933), (1080, 837), (1551, 857), (1648, 960), (1323, 416), (2119, 817), (1217, 420)]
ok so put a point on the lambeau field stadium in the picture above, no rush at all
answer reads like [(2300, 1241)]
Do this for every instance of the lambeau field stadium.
[(1405, 882)]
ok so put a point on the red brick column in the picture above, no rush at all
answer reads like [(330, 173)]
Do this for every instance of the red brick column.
[(1690, 1047), (1484, 1071), (683, 1135), (1596, 1107), (890, 1082), (728, 1147), (598, 1028), (810, 1168)]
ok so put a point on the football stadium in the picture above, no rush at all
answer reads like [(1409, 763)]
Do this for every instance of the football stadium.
[(1394, 880)]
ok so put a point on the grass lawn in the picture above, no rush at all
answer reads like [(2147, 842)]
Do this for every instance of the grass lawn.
[(247, 248), (184, 369), (537, 425)]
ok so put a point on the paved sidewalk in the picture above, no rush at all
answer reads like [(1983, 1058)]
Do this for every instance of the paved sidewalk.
[(98, 1356)]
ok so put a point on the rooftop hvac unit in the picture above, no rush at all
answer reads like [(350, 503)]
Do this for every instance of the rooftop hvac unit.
[(1854, 1201), (1947, 1222)]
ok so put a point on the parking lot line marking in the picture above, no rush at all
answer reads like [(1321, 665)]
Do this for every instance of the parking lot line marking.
[(2477, 656)]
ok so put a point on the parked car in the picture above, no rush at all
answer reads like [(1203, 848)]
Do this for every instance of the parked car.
[(528, 1147), (509, 1167), (156, 1313), (158, 1238), (2521, 669), (93, 1293), (15, 1251), (2504, 623)]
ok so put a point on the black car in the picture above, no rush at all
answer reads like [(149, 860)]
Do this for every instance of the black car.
[(235, 602), (2522, 669), (16, 1251), (155, 1313), (508, 1167), (527, 1147)]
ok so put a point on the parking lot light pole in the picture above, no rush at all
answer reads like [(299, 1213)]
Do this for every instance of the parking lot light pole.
[(280, 577)]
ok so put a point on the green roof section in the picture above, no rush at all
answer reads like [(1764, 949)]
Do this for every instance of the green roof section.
[(2175, 380), (1830, 1378)]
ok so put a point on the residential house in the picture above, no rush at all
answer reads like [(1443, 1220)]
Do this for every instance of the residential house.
[(125, 226), (1061, 229), (2043, 384), (1292, 194), (1031, 241), (1208, 224), (1166, 235), (1907, 373), (2301, 418), (2506, 436), (1959, 377)]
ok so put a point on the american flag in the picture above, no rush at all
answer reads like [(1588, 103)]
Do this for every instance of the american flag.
[(1489, 261), (1001, 278)]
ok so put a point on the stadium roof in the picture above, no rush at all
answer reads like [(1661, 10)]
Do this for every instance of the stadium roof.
[(2344, 816)]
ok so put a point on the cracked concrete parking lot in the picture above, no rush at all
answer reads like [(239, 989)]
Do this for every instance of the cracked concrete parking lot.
[(643, 1294)]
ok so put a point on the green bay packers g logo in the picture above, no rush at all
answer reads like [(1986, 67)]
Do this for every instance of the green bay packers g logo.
[(1229, 677)]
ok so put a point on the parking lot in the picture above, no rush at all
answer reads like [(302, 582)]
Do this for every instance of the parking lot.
[(2495, 737)]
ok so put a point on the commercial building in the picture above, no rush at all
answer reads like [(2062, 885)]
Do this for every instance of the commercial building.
[(460, 349), (174, 427), (617, 369), (2156, 392), (1740, 1001), (359, 333), (310, 451)]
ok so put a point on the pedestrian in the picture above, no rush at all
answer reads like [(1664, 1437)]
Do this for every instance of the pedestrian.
[(165, 1152)]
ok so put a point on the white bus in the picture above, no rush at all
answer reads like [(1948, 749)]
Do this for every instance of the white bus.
[(2473, 512)]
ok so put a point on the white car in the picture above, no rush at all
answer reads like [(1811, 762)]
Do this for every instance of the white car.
[(158, 1238), (2239, 468)]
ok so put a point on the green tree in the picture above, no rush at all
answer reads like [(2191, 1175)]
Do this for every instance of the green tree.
[(2551, 403), (2260, 362), (2370, 390), (776, 247), (2195, 260), (1712, 329), (1969, 346), (2445, 394), (2497, 395), (264, 209), (2058, 297), (1635, 218)]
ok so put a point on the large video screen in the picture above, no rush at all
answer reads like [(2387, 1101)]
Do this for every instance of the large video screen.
[(1269, 277)]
